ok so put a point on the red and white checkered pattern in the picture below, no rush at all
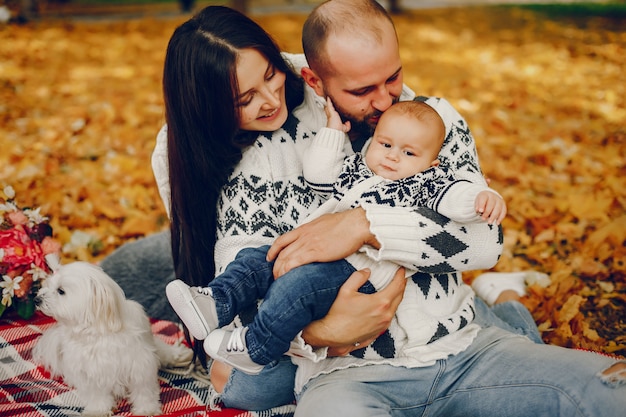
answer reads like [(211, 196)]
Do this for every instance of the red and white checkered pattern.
[(26, 390)]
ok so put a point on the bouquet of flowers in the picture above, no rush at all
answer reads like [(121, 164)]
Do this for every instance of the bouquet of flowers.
[(25, 242)]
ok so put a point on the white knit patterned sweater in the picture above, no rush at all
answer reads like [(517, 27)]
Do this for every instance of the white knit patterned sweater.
[(267, 196)]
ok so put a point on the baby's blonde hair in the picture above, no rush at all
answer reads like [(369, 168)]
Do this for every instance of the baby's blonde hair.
[(423, 112)]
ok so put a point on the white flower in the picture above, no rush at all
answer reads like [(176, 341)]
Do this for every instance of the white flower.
[(36, 272), (8, 288), (7, 300), (34, 216), (79, 239), (8, 206)]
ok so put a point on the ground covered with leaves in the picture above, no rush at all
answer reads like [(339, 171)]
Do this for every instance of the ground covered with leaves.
[(81, 103)]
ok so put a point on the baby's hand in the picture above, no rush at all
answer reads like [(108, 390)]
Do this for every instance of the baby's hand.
[(491, 207), (334, 120)]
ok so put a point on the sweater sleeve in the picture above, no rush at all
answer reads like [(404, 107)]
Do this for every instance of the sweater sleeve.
[(160, 168), (324, 158), (431, 242), (458, 202)]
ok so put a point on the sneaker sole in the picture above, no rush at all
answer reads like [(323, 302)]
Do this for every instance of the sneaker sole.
[(213, 351), (182, 302)]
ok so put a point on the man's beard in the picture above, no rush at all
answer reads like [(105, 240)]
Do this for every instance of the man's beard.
[(360, 129)]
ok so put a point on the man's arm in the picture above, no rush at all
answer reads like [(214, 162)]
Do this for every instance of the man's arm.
[(328, 238), (418, 236), (356, 317), (458, 151)]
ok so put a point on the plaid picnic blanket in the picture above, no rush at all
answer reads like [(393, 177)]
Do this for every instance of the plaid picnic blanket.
[(26, 390)]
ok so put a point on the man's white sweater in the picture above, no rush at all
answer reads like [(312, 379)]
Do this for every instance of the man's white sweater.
[(267, 196)]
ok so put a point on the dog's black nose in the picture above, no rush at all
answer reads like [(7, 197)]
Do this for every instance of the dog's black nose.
[(37, 301)]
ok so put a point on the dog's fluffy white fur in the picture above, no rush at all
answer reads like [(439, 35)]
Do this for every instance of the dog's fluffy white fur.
[(102, 343)]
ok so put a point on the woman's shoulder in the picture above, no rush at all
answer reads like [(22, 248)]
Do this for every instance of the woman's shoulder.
[(279, 153)]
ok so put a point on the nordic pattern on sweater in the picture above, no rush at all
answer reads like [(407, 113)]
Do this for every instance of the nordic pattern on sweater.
[(422, 189)]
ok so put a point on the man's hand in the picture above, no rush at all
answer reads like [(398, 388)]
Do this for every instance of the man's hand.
[(355, 317), (328, 238)]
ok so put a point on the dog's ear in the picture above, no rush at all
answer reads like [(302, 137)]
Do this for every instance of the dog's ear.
[(107, 300), (53, 261)]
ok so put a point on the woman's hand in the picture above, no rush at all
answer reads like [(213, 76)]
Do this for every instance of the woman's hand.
[(355, 317), (328, 238)]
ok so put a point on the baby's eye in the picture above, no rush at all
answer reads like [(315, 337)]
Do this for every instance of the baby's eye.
[(409, 153), (386, 145), (61, 291)]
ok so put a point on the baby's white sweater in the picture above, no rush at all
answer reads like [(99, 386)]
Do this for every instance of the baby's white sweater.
[(267, 196)]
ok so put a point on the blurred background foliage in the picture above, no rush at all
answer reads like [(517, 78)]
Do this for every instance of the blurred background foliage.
[(542, 86)]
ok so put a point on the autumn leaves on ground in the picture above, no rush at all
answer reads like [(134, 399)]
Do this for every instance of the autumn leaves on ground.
[(81, 103)]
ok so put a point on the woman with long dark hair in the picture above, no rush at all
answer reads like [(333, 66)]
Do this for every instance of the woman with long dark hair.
[(234, 171)]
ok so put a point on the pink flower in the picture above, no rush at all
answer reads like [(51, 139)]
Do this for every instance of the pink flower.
[(17, 217), (50, 245)]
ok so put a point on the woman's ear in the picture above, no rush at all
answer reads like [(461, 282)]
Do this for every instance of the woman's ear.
[(312, 79)]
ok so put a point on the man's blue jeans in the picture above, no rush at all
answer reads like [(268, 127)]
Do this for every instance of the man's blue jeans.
[(499, 374)]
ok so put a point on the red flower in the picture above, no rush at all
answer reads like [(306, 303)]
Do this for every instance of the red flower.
[(20, 250)]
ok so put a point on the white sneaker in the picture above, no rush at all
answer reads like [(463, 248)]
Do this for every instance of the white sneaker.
[(195, 306), (230, 347), (490, 285)]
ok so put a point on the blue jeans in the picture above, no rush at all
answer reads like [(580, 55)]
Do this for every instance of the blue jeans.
[(290, 302), (500, 374), (511, 315)]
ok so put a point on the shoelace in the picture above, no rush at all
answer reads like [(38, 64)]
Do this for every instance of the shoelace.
[(236, 342), (205, 291)]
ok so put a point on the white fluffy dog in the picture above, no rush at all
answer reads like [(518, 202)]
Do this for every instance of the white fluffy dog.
[(102, 343)]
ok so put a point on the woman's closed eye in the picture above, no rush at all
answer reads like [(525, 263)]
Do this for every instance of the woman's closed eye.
[(270, 73), (246, 98)]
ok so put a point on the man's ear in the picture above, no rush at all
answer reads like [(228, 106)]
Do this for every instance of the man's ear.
[(311, 78)]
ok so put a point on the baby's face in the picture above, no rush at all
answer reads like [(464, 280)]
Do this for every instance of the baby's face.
[(402, 146)]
